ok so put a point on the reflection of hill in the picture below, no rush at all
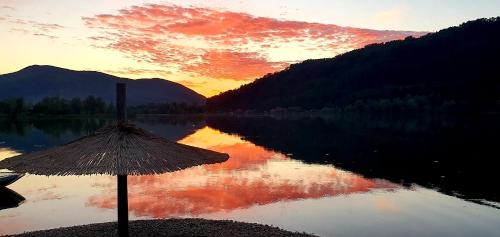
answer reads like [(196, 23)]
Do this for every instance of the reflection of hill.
[(9, 198), (456, 158), (173, 128), (27, 136)]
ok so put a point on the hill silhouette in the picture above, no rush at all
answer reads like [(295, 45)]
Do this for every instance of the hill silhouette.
[(36, 82), (453, 69)]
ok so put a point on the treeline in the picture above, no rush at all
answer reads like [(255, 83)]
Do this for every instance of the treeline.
[(406, 104), (60, 106), (456, 67), (167, 108), (56, 106), (91, 105)]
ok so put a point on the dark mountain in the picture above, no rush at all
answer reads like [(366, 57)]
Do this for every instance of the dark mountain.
[(35, 82), (455, 68)]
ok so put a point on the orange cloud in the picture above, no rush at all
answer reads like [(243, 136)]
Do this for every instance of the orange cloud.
[(223, 44), (233, 65), (138, 71)]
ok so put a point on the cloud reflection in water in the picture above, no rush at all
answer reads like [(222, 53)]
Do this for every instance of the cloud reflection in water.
[(252, 176)]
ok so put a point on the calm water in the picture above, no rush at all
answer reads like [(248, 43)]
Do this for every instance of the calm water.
[(327, 176)]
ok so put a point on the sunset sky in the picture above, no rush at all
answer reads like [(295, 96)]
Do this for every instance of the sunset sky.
[(210, 46)]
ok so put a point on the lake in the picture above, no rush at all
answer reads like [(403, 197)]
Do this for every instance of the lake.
[(328, 175)]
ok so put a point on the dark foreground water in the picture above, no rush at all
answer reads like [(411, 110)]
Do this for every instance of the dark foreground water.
[(330, 176)]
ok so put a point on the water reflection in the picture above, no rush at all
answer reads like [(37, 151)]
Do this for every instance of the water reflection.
[(31, 135), (453, 155), (331, 177), (6, 153), (252, 176), (9, 198), (28, 136)]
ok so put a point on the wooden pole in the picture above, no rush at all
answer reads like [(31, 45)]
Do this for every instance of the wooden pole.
[(121, 116), (122, 206), (121, 102)]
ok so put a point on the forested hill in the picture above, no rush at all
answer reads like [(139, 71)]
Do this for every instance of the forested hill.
[(35, 82), (456, 68)]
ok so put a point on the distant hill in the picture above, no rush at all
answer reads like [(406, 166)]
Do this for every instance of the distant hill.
[(35, 82), (455, 68)]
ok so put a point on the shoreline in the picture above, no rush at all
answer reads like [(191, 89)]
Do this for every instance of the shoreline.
[(171, 227)]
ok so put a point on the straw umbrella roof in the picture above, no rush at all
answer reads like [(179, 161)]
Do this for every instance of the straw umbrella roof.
[(117, 149)]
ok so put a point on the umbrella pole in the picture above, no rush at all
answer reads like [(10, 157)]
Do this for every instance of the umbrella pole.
[(122, 206), (121, 116)]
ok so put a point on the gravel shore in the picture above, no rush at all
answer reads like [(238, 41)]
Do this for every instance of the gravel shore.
[(171, 227)]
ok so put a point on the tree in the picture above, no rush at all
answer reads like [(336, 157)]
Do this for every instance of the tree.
[(100, 106), (56, 106), (13, 107), (110, 109), (76, 105), (89, 105)]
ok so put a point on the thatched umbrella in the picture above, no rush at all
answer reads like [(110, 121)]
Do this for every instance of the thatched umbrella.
[(118, 149)]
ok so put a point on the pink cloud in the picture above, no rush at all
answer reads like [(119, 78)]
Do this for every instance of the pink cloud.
[(36, 25), (45, 35), (33, 27), (8, 8), (138, 72), (228, 45), (233, 65)]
